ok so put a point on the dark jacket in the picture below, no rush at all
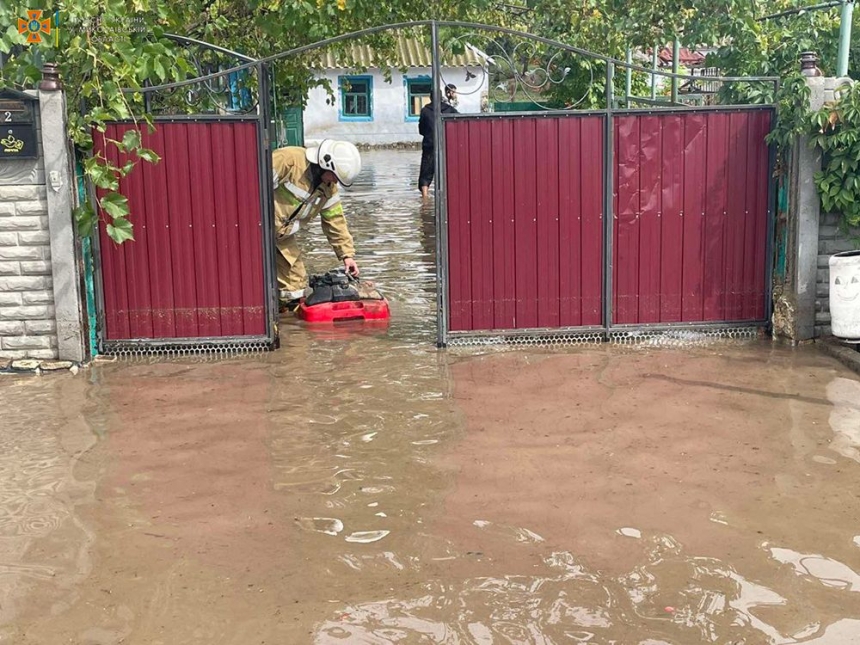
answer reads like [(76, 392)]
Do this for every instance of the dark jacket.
[(427, 122)]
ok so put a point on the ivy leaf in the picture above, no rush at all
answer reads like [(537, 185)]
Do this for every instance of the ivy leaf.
[(159, 69), (85, 218), (115, 205), (120, 230), (103, 177), (148, 155), (130, 140)]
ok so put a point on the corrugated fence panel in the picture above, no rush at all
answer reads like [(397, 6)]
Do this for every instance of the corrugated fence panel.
[(527, 168), (590, 246), (504, 239), (691, 217), (524, 222), (626, 230), (195, 268)]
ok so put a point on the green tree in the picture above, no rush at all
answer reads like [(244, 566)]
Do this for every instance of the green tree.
[(107, 45)]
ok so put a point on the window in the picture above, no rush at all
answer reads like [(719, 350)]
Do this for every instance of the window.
[(417, 96), (356, 98)]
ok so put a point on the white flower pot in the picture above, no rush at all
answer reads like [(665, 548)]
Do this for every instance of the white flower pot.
[(845, 295)]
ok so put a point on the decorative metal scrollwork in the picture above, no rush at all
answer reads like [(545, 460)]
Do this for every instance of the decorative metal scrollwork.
[(526, 71), (233, 93)]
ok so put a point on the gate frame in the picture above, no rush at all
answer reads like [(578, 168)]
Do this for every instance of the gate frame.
[(262, 117), (606, 330)]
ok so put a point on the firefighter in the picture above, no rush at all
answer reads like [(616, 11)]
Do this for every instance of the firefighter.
[(305, 184)]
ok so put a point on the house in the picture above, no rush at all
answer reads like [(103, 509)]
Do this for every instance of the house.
[(371, 107)]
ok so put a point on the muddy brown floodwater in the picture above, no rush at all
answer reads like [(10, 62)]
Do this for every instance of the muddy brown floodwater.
[(359, 486)]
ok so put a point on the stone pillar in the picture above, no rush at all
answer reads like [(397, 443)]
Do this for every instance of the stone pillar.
[(27, 325), (59, 177), (795, 307), (40, 307)]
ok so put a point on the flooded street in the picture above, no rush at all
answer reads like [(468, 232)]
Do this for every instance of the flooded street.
[(360, 486)]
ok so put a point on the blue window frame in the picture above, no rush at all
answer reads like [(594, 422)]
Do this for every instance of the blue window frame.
[(356, 98), (418, 92)]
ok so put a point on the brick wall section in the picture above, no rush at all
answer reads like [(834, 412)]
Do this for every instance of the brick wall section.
[(27, 327), (830, 241)]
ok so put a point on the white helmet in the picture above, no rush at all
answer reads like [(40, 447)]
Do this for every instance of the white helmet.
[(341, 157)]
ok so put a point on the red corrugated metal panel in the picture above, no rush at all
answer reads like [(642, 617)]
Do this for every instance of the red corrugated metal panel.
[(716, 190), (527, 167), (694, 160), (459, 276), (176, 148), (570, 228), (736, 215), (250, 236), (591, 212), (205, 240), (691, 228), (195, 269), (524, 222), (672, 230), (504, 238), (481, 223), (547, 183), (626, 234), (650, 219)]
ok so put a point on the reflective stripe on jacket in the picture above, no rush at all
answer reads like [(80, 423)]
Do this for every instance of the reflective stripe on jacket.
[(295, 183)]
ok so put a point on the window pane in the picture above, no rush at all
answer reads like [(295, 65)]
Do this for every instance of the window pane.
[(356, 96), (419, 88), (416, 103)]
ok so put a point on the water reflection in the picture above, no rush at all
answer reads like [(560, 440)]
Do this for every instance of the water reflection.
[(318, 477), (844, 394), (395, 236), (39, 448), (674, 598)]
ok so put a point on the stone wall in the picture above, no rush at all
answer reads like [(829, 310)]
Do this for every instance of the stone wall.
[(27, 324), (830, 241), (40, 303)]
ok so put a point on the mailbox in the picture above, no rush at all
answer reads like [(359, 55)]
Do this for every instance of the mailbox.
[(17, 125)]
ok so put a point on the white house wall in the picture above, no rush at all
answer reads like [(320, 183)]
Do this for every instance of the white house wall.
[(389, 124)]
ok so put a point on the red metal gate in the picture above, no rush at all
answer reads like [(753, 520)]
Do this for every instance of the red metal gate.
[(196, 269), (526, 240), (525, 219), (691, 212)]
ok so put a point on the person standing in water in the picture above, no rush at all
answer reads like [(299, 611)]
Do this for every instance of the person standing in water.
[(427, 129)]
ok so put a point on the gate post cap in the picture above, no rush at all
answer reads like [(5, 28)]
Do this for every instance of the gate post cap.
[(809, 64), (50, 78)]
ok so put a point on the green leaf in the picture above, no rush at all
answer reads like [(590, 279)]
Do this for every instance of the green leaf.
[(130, 140), (120, 230), (115, 205), (102, 177), (159, 69), (85, 218), (148, 155)]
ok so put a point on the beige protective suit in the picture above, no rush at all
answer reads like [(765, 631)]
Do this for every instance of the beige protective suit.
[(296, 203)]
